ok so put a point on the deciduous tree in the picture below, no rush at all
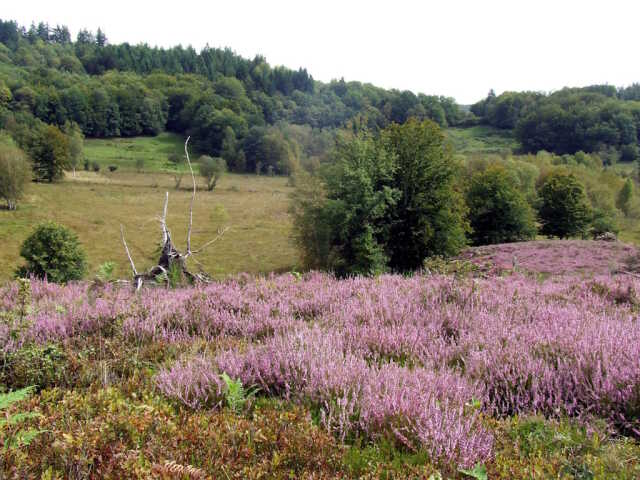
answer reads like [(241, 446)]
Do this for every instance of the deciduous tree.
[(15, 173), (212, 170), (564, 209), (498, 211)]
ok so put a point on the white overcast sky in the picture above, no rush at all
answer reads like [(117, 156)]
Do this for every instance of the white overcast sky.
[(455, 48)]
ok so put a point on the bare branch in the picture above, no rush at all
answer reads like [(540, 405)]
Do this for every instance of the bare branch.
[(126, 248), (193, 197), (163, 220), (170, 257), (218, 237)]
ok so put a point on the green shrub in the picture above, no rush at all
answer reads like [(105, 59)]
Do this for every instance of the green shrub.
[(53, 252), (15, 173), (40, 365), (236, 396), (105, 271), (603, 222)]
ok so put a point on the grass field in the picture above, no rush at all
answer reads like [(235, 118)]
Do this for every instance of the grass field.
[(481, 139), (255, 208), (124, 152), (95, 205)]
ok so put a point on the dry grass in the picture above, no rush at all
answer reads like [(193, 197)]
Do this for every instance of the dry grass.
[(94, 206)]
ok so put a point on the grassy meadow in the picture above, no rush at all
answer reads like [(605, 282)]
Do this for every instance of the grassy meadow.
[(95, 205), (481, 139), (125, 152)]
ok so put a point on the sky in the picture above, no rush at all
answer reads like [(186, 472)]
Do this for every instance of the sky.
[(455, 48)]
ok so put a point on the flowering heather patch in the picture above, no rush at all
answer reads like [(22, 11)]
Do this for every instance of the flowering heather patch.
[(421, 361), (406, 357), (557, 257)]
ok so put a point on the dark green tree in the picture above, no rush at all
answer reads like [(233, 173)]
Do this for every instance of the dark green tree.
[(340, 216), (564, 210), (498, 211), (381, 203), (53, 252), (429, 217), (630, 152), (101, 38)]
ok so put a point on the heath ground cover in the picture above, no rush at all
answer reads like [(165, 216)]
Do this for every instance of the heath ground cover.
[(527, 376)]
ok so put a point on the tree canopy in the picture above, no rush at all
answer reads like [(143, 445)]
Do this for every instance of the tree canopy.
[(228, 104), (564, 208), (498, 210), (384, 203)]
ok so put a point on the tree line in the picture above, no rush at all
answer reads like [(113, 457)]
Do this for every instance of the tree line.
[(389, 200), (243, 109), (599, 118)]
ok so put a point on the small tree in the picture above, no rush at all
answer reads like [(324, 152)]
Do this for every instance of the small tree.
[(212, 170), (76, 146), (53, 252), (174, 167), (15, 173), (564, 209), (339, 217), (51, 154), (498, 211), (231, 151), (625, 195)]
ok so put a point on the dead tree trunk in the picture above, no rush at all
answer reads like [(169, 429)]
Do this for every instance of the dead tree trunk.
[(172, 261)]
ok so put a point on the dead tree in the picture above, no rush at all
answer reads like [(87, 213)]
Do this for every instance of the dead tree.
[(171, 259)]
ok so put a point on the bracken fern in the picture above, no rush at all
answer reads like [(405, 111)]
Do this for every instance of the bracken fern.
[(19, 438)]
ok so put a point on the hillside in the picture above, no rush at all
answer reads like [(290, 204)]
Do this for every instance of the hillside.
[(251, 113), (553, 257)]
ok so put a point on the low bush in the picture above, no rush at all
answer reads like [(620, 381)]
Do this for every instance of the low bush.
[(53, 252), (130, 432)]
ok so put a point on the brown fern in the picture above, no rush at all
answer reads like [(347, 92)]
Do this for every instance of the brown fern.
[(175, 470)]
